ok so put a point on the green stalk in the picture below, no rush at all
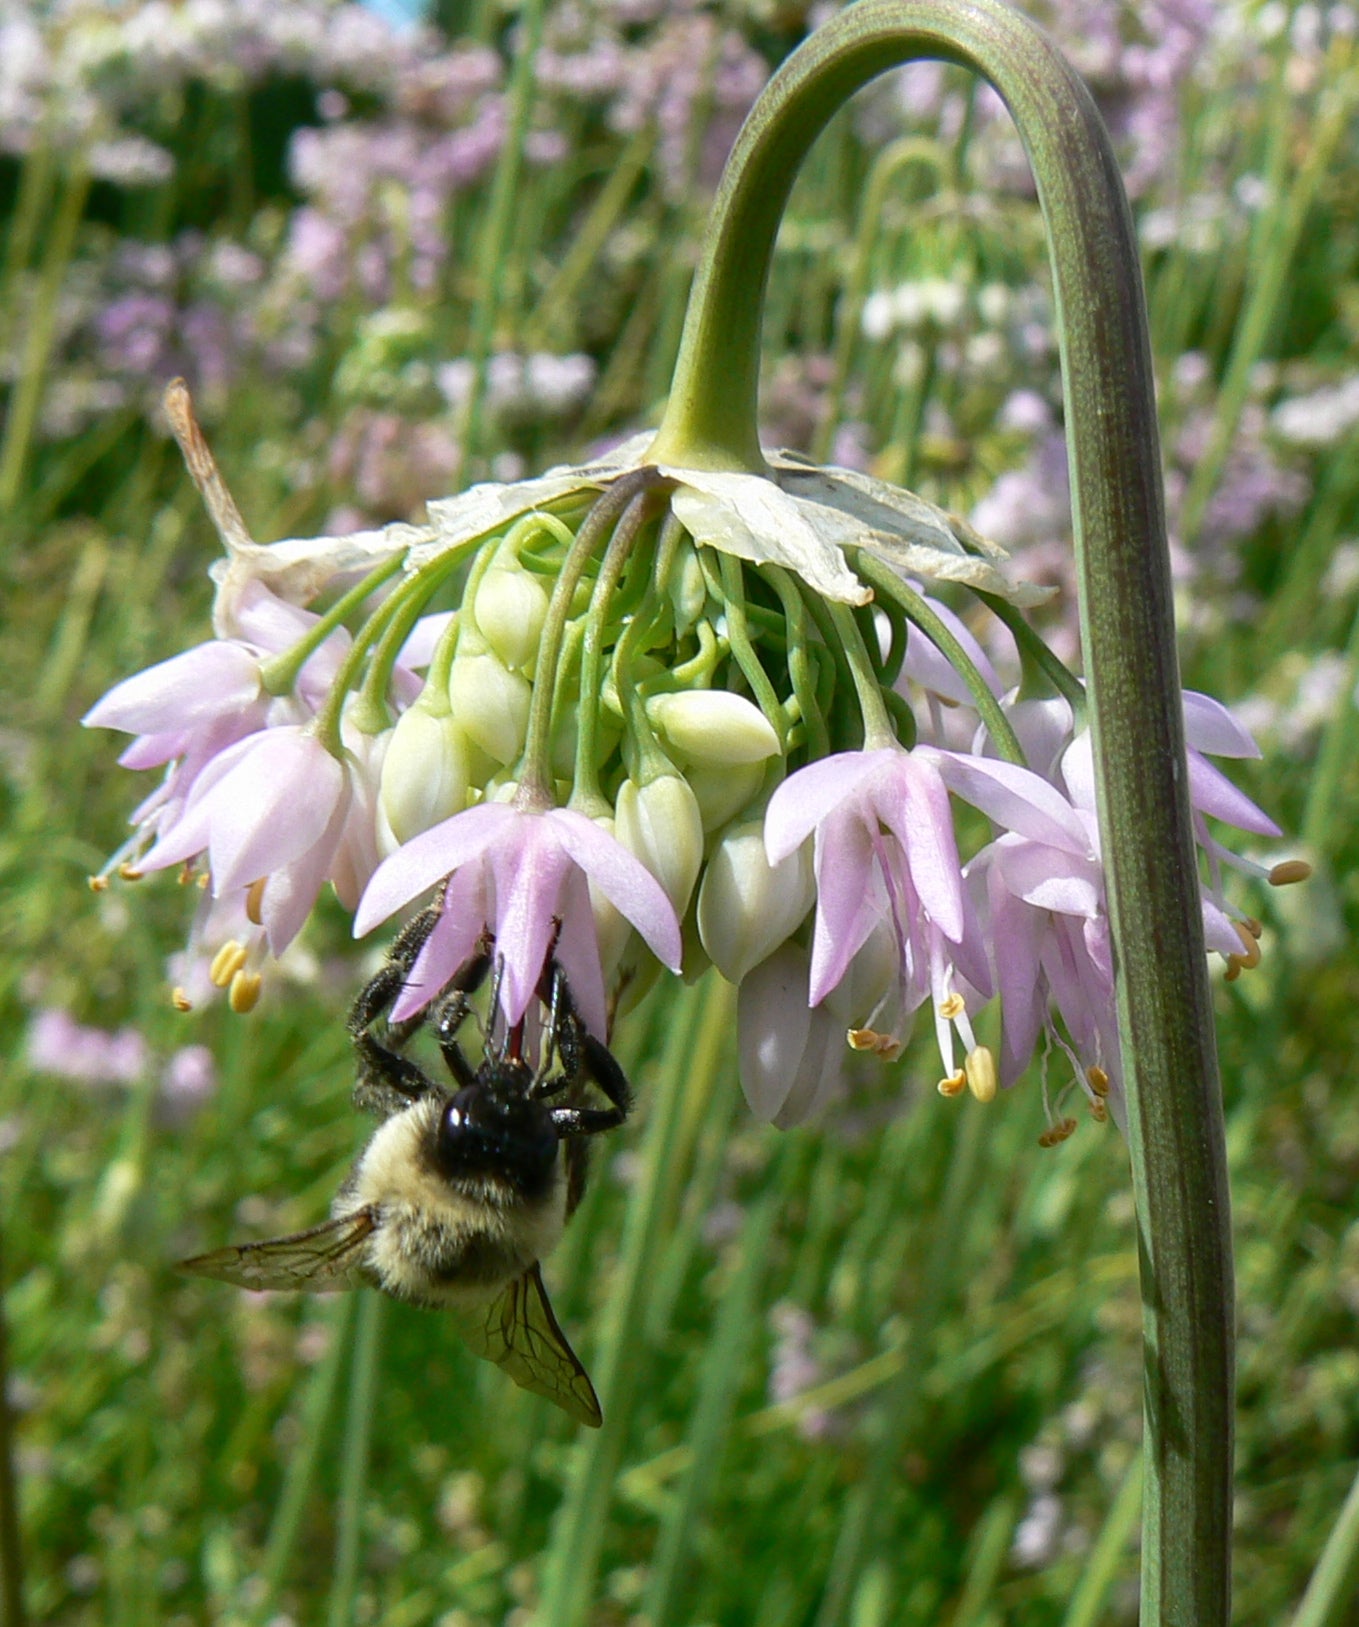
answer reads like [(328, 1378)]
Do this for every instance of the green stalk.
[(1330, 1592), (1175, 1128), (354, 1461)]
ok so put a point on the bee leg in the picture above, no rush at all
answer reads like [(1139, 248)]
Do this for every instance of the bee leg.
[(381, 990), (386, 1083), (583, 1056), (452, 1009)]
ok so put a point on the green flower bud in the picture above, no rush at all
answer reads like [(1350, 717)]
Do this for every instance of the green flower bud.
[(748, 907), (490, 703), (724, 792), (660, 824), (687, 588), (713, 726), (427, 771), (510, 608)]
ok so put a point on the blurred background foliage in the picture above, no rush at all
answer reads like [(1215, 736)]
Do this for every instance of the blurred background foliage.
[(882, 1370)]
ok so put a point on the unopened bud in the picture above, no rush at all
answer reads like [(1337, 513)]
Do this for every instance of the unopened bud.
[(748, 907), (713, 726), (659, 823), (426, 775), (724, 793), (490, 704), (792, 1055), (510, 609)]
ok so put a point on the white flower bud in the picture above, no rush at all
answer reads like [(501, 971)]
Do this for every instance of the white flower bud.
[(510, 608), (427, 772), (748, 907), (713, 726), (660, 824), (792, 1056), (688, 590), (723, 792), (490, 703)]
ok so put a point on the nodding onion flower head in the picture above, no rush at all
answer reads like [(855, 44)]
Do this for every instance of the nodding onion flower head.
[(625, 718)]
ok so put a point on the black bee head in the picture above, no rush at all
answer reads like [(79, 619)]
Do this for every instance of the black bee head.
[(493, 1128)]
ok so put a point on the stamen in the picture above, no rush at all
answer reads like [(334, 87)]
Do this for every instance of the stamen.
[(180, 1000), (980, 1069), (227, 964), (869, 1039), (1055, 1134), (187, 874), (1251, 958), (1254, 927), (254, 902), (244, 992), (1289, 871), (1233, 969), (1097, 1079), (98, 884), (954, 1085), (953, 1007), (129, 872), (1099, 1112), (203, 881)]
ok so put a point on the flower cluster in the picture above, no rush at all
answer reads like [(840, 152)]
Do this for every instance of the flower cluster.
[(633, 717)]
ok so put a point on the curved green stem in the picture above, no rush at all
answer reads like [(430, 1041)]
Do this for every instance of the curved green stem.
[(613, 510), (1175, 1128), (279, 673), (878, 730), (886, 583), (1035, 654)]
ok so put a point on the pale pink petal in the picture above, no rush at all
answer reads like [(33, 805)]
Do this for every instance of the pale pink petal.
[(1211, 792), (529, 866), (623, 879), (1219, 930), (1014, 798), (187, 690), (805, 798), (418, 864), (418, 650), (1016, 929), (913, 803), (927, 664), (578, 954), (1049, 880), (273, 806), (290, 893), (462, 921), (849, 898), (1210, 727)]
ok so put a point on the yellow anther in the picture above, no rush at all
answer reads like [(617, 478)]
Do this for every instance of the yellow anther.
[(244, 992), (1099, 1112), (130, 872), (226, 963), (1047, 1138), (1234, 964), (1251, 957), (953, 1006), (1065, 1128), (1291, 870), (954, 1085), (98, 884), (187, 875), (204, 880), (869, 1039), (1097, 1079), (180, 1001), (980, 1068), (254, 901), (1254, 927)]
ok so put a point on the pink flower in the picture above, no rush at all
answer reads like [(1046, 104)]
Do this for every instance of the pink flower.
[(885, 857), (516, 872), (273, 807)]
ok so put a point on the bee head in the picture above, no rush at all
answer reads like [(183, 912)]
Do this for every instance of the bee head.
[(493, 1128)]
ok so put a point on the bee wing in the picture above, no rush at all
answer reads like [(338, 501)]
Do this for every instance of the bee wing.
[(519, 1332), (322, 1258)]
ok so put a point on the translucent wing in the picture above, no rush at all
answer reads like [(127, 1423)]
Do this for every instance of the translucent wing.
[(324, 1257), (518, 1332)]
